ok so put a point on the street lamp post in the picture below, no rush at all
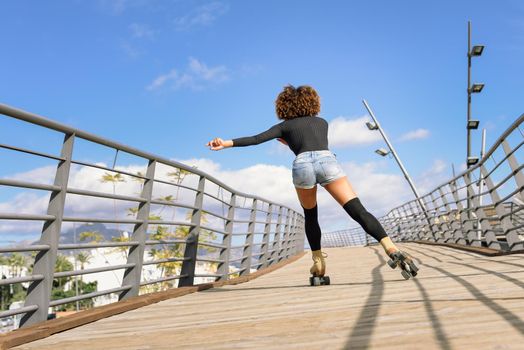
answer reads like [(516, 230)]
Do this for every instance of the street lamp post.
[(471, 124), (376, 126), (472, 89)]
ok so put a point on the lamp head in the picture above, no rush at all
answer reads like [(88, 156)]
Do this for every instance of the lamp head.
[(476, 50), (382, 152)]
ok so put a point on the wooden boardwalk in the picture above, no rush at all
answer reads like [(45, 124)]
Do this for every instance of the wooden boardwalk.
[(460, 300)]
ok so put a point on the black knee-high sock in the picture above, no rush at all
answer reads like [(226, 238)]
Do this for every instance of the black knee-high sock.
[(312, 227), (369, 223)]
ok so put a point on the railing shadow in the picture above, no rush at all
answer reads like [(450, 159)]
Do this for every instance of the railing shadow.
[(365, 325)]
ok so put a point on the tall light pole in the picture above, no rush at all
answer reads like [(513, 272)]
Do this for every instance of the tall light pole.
[(472, 89), (383, 152), (472, 124)]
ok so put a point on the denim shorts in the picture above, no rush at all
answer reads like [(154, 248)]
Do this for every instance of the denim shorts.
[(312, 167)]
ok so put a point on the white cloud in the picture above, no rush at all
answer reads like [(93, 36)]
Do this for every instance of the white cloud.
[(203, 15), (141, 31), (345, 132), (197, 76), (379, 191), (437, 174), (415, 135)]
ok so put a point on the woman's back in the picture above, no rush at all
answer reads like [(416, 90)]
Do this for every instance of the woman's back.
[(306, 134)]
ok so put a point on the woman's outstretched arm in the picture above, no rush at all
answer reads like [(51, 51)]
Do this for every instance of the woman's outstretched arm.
[(272, 133)]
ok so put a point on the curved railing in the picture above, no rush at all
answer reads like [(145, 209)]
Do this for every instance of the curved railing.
[(225, 232), (481, 207)]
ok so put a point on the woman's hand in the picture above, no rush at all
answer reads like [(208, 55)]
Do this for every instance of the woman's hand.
[(217, 144)]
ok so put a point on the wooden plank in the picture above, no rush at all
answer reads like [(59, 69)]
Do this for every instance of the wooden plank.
[(459, 300)]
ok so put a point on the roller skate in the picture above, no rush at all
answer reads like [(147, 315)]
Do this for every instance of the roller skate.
[(405, 261), (318, 269)]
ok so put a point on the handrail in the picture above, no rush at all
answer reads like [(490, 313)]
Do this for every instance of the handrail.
[(138, 272), (497, 222)]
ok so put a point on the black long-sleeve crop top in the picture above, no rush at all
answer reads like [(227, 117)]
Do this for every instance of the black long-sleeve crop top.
[(301, 134)]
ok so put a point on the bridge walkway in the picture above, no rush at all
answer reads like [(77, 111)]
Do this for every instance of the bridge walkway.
[(460, 300)]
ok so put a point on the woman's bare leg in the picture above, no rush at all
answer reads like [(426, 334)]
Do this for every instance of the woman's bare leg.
[(307, 197), (343, 192)]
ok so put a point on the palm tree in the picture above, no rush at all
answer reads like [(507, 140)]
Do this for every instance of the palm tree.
[(83, 259), (62, 265), (113, 179), (16, 262), (91, 236)]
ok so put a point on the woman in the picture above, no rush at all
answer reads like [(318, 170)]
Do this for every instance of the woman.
[(306, 134)]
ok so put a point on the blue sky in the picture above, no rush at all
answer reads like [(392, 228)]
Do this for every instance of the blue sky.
[(168, 76)]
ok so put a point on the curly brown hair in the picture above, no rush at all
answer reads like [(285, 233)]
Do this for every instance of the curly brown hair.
[(297, 102)]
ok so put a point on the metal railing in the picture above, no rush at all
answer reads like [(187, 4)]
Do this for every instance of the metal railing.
[(273, 233), (494, 219), (345, 238)]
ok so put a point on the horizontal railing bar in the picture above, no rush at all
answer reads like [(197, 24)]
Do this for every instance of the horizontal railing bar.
[(35, 153), (174, 184), (239, 246), (6, 281), (170, 204), (104, 195), (207, 275), (162, 261), (88, 295), (66, 246), (20, 310), (169, 222), (164, 241), (210, 260), (101, 167), (25, 248), (102, 220), (245, 233), (216, 198), (92, 270), (506, 156), (27, 217), (163, 279), (31, 185), (213, 245), (204, 227)]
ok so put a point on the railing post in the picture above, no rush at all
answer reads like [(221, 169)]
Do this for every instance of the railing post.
[(458, 233), (247, 253), (287, 241), (293, 241), (512, 237), (133, 274), (223, 266), (448, 233), (505, 221), (284, 237), (276, 239), (39, 292), (265, 238), (191, 249), (471, 231)]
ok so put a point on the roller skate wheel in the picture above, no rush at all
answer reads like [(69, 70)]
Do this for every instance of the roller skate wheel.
[(392, 264), (316, 281), (414, 273), (327, 282), (311, 281), (405, 274), (413, 267)]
